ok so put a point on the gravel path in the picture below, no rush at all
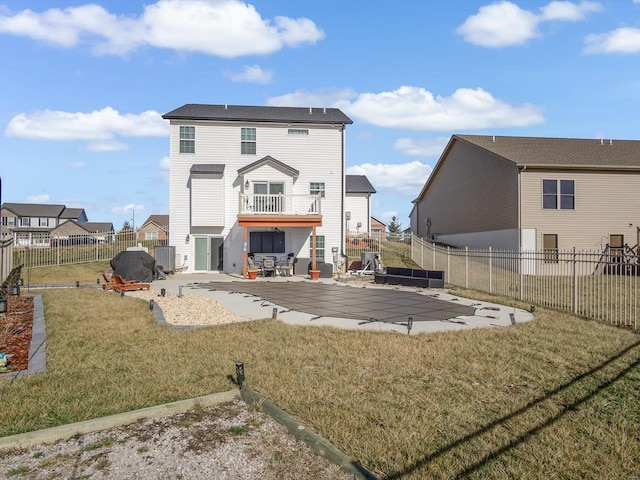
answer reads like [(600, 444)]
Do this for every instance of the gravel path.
[(229, 441)]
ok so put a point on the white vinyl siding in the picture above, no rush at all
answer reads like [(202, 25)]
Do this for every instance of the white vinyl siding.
[(207, 201), (358, 205), (319, 161)]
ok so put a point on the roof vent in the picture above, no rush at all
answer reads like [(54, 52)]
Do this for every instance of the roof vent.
[(493, 138), (225, 106), (610, 141), (324, 110), (310, 110), (602, 141)]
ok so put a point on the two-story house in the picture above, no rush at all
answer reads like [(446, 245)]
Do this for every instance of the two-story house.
[(262, 180), (156, 227), (524, 193), (357, 215), (31, 224)]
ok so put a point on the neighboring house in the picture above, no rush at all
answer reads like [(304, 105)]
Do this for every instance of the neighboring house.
[(156, 227), (357, 204), (30, 224), (266, 180), (378, 227), (74, 232), (522, 193)]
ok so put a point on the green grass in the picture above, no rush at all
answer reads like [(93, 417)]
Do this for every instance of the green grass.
[(554, 398)]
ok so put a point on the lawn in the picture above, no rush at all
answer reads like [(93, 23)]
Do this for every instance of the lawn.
[(554, 398)]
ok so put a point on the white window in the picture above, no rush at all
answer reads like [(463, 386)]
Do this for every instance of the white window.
[(316, 188), (43, 222), (298, 131), (10, 221), (248, 141), (319, 247), (25, 221), (268, 196), (187, 139), (151, 236)]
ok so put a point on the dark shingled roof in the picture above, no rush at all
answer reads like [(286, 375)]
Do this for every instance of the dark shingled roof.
[(243, 113), (358, 184), (97, 227), (160, 220), (211, 168), (72, 213), (34, 209), (560, 152)]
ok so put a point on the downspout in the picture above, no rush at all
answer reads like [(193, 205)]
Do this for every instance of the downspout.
[(344, 165)]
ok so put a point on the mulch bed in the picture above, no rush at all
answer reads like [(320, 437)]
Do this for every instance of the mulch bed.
[(15, 332)]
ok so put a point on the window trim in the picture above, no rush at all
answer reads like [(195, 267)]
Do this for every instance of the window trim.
[(298, 131), (321, 188), (550, 254), (189, 138), (559, 195), (320, 250), (248, 138)]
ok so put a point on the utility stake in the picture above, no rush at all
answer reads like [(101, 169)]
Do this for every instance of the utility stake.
[(239, 373)]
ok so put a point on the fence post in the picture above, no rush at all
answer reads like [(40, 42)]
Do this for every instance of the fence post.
[(575, 282), (466, 267), (421, 254), (433, 257), (57, 252), (490, 272), (521, 276), (449, 263)]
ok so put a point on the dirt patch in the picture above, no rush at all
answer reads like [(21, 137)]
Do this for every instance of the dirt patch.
[(15, 333)]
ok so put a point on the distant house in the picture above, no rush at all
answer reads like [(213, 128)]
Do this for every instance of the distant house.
[(31, 224), (255, 179), (357, 204), (532, 194), (156, 227), (73, 232), (378, 227)]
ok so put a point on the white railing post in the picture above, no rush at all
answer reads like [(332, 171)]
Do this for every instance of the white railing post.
[(466, 267), (449, 262), (490, 272), (575, 283)]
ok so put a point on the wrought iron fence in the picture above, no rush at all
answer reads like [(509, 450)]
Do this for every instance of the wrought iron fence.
[(66, 250), (588, 283), (393, 249)]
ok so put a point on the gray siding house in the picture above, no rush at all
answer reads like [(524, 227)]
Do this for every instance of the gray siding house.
[(526, 193)]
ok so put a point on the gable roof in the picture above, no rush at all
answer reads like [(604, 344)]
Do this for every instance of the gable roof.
[(160, 220), (378, 221), (559, 152), (358, 184), (269, 160), (550, 153), (207, 168), (72, 213), (34, 209), (245, 113), (89, 227)]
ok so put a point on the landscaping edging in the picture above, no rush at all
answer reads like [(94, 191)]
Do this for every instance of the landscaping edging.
[(63, 432), (318, 445)]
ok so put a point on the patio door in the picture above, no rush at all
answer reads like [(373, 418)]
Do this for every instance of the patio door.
[(208, 254)]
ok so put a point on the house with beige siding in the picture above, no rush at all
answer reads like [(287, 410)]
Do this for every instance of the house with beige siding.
[(31, 223), (262, 180), (357, 210), (72, 232), (526, 193)]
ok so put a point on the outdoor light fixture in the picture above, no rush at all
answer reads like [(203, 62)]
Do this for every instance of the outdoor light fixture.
[(162, 292), (239, 373), (97, 281), (151, 302), (3, 305), (274, 313), (532, 308), (409, 325), (186, 239), (77, 284), (15, 290), (122, 292), (246, 185), (180, 291)]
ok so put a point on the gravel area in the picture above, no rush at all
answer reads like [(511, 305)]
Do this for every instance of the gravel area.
[(228, 441)]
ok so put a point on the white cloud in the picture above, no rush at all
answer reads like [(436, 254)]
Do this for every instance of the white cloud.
[(252, 74), (42, 198), (415, 108), (130, 209), (226, 28), (403, 179), (99, 127), (504, 23), (624, 40), (327, 97), (428, 147), (75, 164)]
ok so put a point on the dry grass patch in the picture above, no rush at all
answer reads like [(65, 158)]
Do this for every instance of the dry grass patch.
[(554, 398), (85, 273)]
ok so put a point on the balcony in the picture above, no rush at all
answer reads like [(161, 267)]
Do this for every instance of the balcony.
[(279, 210)]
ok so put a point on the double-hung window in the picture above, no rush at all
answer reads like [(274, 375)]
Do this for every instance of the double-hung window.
[(187, 139), (316, 188), (248, 141), (558, 194), (319, 247), (550, 246)]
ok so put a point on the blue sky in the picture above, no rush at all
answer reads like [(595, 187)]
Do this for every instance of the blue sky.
[(83, 85)]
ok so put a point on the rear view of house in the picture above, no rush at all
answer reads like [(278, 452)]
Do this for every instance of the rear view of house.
[(262, 180)]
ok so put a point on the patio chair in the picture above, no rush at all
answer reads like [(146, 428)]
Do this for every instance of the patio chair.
[(253, 264), (285, 265), (121, 285), (269, 267)]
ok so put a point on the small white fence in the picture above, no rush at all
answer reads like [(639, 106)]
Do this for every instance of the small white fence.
[(587, 283)]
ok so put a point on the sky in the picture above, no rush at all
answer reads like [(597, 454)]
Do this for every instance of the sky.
[(83, 85)]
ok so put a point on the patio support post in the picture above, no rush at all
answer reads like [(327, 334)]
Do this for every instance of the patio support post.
[(245, 238), (313, 248)]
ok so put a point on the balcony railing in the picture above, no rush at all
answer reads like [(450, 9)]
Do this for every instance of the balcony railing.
[(258, 204)]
